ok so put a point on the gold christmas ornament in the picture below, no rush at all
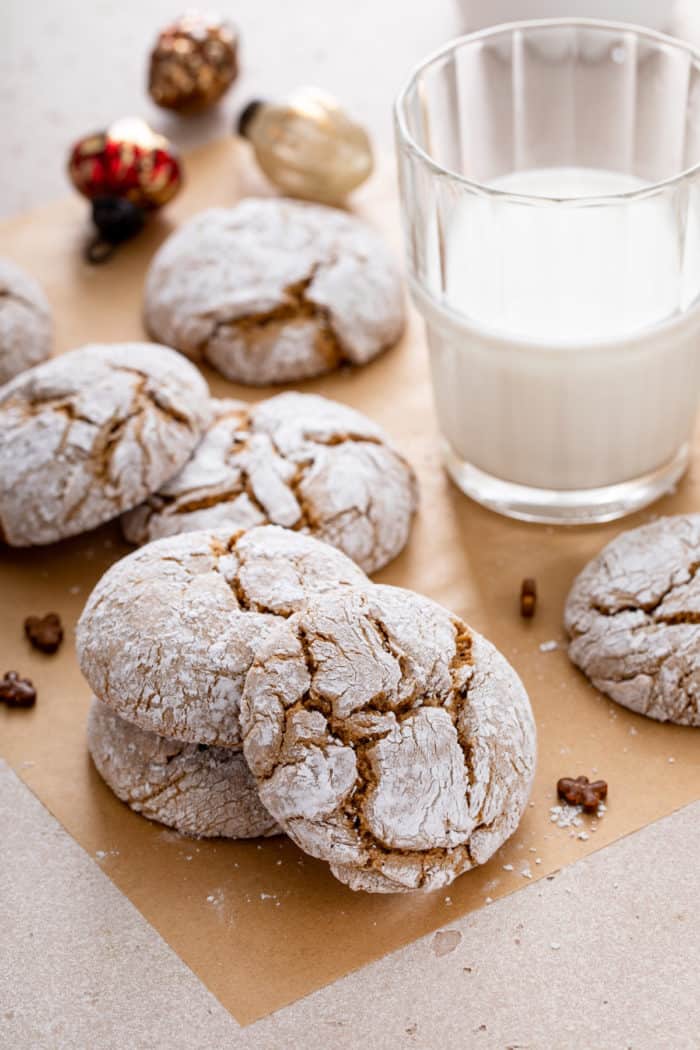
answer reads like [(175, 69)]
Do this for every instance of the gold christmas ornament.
[(193, 63), (308, 146)]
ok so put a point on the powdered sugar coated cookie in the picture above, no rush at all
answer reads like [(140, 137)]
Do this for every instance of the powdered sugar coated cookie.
[(25, 322), (274, 291), (198, 790), (296, 460)]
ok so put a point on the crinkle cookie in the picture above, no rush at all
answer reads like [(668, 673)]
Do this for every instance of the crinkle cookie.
[(169, 632), (274, 290), (25, 322), (633, 619), (388, 739), (90, 434), (199, 790), (296, 460)]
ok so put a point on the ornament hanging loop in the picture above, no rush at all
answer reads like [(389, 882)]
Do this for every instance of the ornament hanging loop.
[(98, 250), (117, 220)]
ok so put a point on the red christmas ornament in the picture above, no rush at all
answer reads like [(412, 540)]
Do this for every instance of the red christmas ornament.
[(125, 171)]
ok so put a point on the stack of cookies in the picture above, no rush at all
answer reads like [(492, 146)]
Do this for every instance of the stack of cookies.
[(255, 680)]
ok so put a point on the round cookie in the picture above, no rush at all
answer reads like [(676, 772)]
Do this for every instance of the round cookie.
[(169, 632), (388, 739), (198, 790), (90, 434), (296, 460), (274, 291), (25, 322), (633, 620)]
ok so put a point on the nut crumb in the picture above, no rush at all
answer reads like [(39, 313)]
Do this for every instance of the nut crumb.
[(16, 691), (581, 792), (528, 598), (44, 633)]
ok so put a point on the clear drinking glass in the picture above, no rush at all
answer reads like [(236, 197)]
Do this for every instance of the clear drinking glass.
[(550, 187)]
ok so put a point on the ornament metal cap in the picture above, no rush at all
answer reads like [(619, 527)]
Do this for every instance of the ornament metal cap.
[(247, 114)]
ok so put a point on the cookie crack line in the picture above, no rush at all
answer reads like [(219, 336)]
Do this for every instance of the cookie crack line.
[(678, 619), (108, 439), (242, 597), (296, 307), (62, 404), (21, 300), (650, 607), (351, 810), (151, 395)]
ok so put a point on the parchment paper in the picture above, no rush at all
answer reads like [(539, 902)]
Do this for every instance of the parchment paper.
[(259, 923)]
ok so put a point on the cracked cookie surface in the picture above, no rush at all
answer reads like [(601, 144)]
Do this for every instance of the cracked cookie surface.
[(274, 291), (25, 322), (169, 632), (388, 739), (633, 620), (296, 460), (198, 790), (90, 434)]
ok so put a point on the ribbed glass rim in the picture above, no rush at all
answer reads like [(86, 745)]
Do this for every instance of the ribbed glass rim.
[(508, 28)]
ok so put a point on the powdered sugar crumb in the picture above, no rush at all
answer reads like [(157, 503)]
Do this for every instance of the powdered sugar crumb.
[(102, 854), (565, 816)]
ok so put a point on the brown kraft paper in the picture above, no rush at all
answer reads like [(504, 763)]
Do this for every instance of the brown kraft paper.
[(258, 922)]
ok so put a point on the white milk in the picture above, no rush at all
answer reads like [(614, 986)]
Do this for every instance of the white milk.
[(573, 367)]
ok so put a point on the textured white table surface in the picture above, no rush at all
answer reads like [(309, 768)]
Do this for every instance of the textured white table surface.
[(79, 967), (69, 67)]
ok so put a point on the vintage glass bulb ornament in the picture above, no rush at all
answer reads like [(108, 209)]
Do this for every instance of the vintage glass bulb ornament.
[(193, 63), (308, 146), (126, 172)]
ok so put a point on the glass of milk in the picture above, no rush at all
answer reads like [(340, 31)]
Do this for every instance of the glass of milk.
[(550, 186)]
